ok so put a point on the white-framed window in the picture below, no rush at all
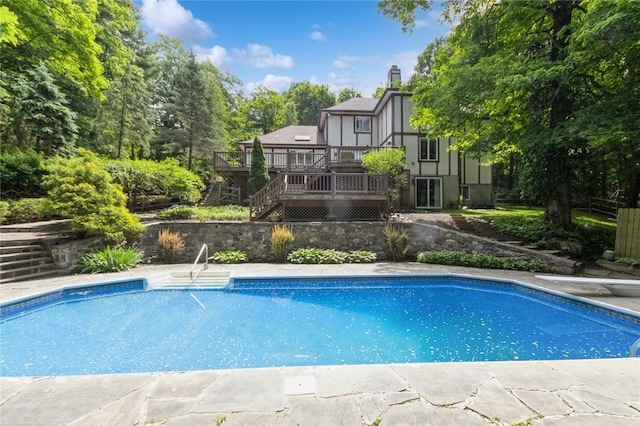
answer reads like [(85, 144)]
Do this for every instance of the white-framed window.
[(301, 159), (465, 191), (363, 125), (428, 192), (428, 149)]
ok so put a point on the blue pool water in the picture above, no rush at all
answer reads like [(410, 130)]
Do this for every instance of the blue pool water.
[(308, 321)]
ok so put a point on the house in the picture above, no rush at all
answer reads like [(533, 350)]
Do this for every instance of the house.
[(311, 165)]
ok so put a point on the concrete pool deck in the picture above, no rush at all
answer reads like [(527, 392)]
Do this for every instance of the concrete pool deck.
[(588, 392)]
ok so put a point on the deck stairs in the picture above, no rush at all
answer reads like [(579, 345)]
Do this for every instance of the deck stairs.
[(181, 280)]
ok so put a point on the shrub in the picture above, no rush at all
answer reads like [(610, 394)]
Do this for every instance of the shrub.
[(360, 256), (330, 256), (27, 210), (317, 256), (144, 180), (458, 258), (4, 211), (21, 174), (398, 241), (81, 189), (229, 256), (169, 244), (281, 239), (178, 213), (109, 259), (628, 261)]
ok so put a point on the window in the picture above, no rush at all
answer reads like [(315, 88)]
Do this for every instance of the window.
[(428, 193), (363, 124), (465, 192), (428, 149), (301, 159)]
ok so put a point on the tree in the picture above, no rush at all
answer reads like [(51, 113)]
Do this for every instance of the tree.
[(40, 117), (378, 93), (125, 118), (348, 93), (265, 111), (506, 81), (80, 188), (393, 163), (258, 173), (309, 99)]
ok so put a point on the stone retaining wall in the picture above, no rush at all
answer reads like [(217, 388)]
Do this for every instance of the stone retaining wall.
[(67, 254), (254, 238)]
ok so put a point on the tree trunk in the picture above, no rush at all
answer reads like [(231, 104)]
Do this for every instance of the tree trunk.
[(558, 209)]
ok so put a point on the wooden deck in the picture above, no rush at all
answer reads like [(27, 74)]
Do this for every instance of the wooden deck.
[(321, 196)]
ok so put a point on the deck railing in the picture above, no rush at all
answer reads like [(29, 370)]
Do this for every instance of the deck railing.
[(275, 160)]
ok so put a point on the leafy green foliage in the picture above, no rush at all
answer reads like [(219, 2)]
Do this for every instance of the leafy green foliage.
[(230, 256), (329, 256), (258, 173), (628, 261), (397, 240), (141, 180), (28, 210), (80, 188), (281, 239), (346, 94), (4, 211), (230, 212), (267, 111), (109, 259), (21, 173), (392, 162), (458, 258), (308, 99), (41, 118)]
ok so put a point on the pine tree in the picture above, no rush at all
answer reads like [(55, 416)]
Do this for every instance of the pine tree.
[(258, 174)]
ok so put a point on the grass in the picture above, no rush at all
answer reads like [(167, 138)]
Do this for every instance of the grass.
[(578, 217), (231, 212)]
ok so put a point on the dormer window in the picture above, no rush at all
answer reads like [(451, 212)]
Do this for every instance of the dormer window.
[(363, 124)]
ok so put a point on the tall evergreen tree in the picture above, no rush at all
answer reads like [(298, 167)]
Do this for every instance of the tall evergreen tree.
[(258, 173)]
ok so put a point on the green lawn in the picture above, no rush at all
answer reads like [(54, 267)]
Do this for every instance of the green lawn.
[(578, 217)]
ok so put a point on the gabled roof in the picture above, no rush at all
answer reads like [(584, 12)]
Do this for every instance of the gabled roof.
[(291, 136), (364, 106), (355, 105)]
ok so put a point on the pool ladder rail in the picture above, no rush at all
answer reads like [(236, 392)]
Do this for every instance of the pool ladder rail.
[(634, 349)]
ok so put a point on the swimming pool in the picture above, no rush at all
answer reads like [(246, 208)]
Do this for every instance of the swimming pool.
[(258, 322)]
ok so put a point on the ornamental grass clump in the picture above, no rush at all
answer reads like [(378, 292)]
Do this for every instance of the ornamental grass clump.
[(281, 239), (169, 245), (109, 259), (398, 241)]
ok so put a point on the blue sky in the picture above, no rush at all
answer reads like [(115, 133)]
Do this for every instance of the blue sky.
[(335, 43)]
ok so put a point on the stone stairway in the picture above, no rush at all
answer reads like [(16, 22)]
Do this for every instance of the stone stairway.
[(23, 250)]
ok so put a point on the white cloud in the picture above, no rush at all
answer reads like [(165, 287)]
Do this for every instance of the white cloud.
[(217, 55), (345, 61), (261, 56), (423, 23), (279, 83), (406, 61), (337, 81), (254, 56), (314, 80), (317, 36), (168, 17)]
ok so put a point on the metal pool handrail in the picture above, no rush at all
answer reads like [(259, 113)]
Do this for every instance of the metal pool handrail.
[(204, 249), (634, 349)]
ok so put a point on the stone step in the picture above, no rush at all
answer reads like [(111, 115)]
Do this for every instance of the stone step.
[(24, 262), (26, 248), (31, 276), (22, 255), (20, 273), (46, 226)]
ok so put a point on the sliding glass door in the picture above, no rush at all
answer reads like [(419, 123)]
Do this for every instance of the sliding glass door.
[(428, 193)]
